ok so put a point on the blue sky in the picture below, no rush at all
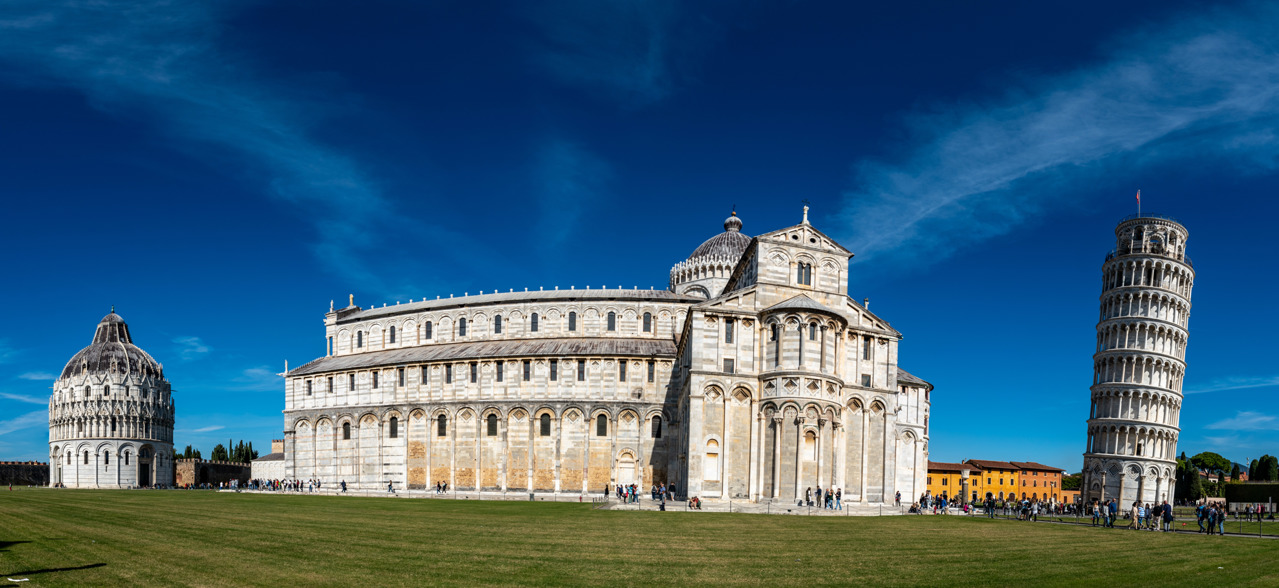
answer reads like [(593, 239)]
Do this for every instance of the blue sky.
[(220, 171)]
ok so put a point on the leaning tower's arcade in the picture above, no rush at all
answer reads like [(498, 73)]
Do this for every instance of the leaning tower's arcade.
[(1133, 422)]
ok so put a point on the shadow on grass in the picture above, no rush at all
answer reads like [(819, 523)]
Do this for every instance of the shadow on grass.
[(6, 544), (47, 570)]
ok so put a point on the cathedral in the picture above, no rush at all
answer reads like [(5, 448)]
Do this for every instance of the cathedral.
[(754, 376), (111, 415)]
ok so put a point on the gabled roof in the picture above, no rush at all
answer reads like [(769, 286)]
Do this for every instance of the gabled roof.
[(909, 378), (941, 466), (270, 457), (1030, 465), (808, 227), (549, 347), (801, 302), (993, 465)]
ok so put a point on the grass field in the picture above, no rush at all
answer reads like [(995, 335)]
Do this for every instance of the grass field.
[(80, 537)]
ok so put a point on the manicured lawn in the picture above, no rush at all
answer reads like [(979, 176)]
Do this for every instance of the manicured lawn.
[(76, 537)]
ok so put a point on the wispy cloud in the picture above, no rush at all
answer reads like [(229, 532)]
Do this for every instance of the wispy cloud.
[(1203, 87), (260, 378), (37, 376), (570, 178), (635, 52), (26, 421), (8, 353), (24, 398), (1236, 383), (1248, 421), (190, 348), (208, 429), (160, 61)]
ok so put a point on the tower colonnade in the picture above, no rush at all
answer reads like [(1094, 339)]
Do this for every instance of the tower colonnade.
[(1139, 364)]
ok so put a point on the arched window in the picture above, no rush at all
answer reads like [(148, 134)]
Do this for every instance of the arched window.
[(648, 322), (426, 330), (601, 426), (612, 321), (346, 430), (113, 427), (359, 339), (86, 457), (497, 324), (533, 323), (106, 390), (1138, 449), (442, 426), (812, 331), (728, 331), (572, 321), (392, 334), (86, 393), (710, 467), (126, 458), (395, 427), (545, 425), (810, 446), (657, 427), (804, 274), (461, 327), (106, 457), (492, 425)]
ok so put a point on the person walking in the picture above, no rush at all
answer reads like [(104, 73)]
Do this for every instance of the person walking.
[(839, 496), (343, 486), (1167, 517)]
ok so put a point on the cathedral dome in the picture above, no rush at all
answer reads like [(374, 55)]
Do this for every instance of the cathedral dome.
[(112, 350), (731, 243)]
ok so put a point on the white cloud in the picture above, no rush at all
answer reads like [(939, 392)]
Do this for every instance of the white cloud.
[(638, 53), (259, 378), (1236, 383), (1248, 421), (24, 398), (37, 376), (190, 348), (7, 352), (570, 178), (1205, 87), (208, 429), (26, 421), (160, 60)]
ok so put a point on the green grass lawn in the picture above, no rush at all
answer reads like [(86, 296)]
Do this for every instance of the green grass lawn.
[(65, 537)]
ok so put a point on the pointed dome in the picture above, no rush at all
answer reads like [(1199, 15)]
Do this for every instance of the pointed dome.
[(112, 349), (731, 243)]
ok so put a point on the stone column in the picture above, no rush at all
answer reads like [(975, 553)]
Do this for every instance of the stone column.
[(777, 456), (821, 451), (799, 452)]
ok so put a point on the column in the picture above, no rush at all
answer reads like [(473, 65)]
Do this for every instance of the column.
[(777, 456), (799, 453)]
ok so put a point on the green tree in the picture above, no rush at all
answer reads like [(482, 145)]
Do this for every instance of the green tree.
[(1211, 462), (1234, 472), (1072, 482), (1252, 470), (219, 453), (1271, 468)]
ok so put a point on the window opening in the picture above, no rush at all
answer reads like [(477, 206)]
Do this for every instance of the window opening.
[(533, 323), (492, 425), (395, 427), (346, 430), (442, 426), (612, 321), (544, 424), (601, 426), (648, 322)]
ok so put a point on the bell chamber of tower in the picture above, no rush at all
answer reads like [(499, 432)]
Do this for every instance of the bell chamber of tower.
[(1139, 364)]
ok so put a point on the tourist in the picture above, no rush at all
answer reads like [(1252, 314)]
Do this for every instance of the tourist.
[(1113, 511), (1167, 517), (839, 495), (1201, 514), (808, 496), (343, 486), (898, 498)]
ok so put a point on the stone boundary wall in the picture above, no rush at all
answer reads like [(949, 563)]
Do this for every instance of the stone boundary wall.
[(198, 471), (24, 473)]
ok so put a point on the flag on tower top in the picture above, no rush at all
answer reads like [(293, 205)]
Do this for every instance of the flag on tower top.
[(1138, 195)]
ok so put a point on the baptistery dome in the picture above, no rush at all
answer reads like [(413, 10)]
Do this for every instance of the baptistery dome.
[(706, 271), (111, 415), (112, 351)]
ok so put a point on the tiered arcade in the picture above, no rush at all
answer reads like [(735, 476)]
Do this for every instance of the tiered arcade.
[(111, 415), (1140, 364)]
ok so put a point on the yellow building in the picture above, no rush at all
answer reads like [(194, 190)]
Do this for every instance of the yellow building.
[(1039, 481), (946, 479), (1000, 479)]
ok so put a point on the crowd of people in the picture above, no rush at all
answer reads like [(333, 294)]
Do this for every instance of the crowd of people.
[(281, 485), (829, 499)]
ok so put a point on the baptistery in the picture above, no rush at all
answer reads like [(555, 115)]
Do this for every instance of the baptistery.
[(111, 415)]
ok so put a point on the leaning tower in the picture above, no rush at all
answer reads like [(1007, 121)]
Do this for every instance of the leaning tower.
[(1140, 364)]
